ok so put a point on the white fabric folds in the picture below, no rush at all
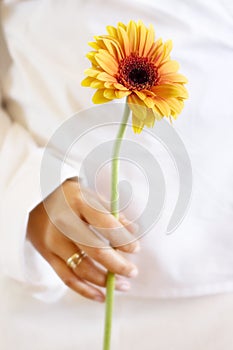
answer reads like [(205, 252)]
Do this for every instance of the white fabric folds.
[(47, 42)]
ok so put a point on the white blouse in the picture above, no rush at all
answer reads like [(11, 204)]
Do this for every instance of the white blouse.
[(47, 42)]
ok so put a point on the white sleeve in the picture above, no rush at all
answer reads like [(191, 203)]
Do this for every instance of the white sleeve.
[(20, 162), (21, 154)]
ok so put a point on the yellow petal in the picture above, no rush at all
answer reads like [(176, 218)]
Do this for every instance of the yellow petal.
[(174, 78), (157, 113), (150, 119), (137, 124), (158, 55), (91, 56), (176, 105), (142, 31), (98, 97), (96, 84), (120, 87), (132, 34), (121, 94), (167, 49), (112, 31), (173, 115), (87, 81), (109, 94), (94, 45), (162, 106), (115, 43), (103, 76), (149, 40), (108, 85), (168, 67), (154, 51), (92, 72), (106, 62), (100, 43), (137, 106), (140, 94), (110, 48), (183, 91), (125, 40), (169, 90), (149, 102), (121, 25), (148, 93)]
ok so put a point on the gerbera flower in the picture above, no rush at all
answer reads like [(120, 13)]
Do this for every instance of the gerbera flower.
[(128, 62)]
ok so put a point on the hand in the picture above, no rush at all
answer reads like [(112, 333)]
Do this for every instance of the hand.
[(54, 245)]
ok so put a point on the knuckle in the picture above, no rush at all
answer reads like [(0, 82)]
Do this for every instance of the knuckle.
[(107, 221), (110, 221), (52, 260), (69, 281), (99, 254), (50, 239), (84, 293), (74, 196), (78, 203), (123, 219), (102, 281)]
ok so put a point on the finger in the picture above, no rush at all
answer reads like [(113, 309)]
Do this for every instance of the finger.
[(94, 213), (87, 269), (74, 282), (64, 248), (111, 260), (108, 226), (129, 225), (90, 272)]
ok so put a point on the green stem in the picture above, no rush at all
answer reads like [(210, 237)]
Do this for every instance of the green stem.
[(114, 210)]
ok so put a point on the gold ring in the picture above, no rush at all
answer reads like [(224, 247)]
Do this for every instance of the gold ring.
[(74, 260)]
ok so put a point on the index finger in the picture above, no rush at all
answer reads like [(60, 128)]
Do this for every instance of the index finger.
[(111, 260), (108, 226)]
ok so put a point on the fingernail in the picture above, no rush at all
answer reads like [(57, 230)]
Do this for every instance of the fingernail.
[(123, 286), (133, 273), (99, 298)]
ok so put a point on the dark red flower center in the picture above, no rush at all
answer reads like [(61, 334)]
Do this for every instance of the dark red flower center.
[(137, 73)]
